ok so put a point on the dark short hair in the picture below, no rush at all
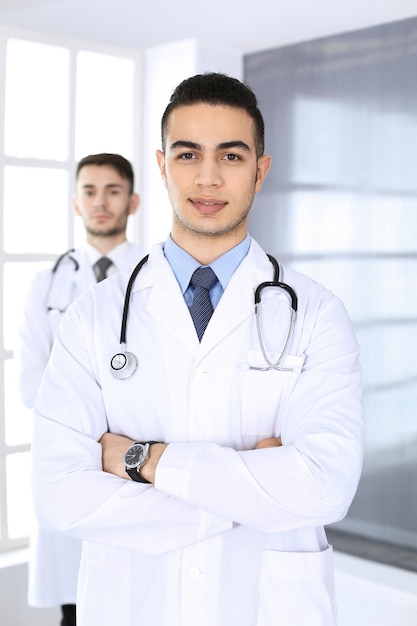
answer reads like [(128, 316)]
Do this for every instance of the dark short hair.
[(119, 163), (217, 89)]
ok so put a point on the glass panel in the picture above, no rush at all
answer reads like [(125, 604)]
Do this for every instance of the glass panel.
[(37, 100), (18, 418), (17, 277), (104, 105), (35, 209), (347, 142), (362, 285), (20, 514), (340, 205), (328, 221)]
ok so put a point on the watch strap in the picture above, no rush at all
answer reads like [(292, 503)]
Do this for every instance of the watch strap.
[(134, 475)]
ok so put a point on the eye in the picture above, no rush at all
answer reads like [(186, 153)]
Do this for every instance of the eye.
[(186, 156), (231, 157)]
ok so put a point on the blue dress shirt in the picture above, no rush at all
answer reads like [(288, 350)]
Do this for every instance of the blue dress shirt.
[(184, 265)]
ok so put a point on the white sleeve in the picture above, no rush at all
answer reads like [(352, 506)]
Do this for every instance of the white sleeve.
[(35, 339), (72, 493), (312, 478)]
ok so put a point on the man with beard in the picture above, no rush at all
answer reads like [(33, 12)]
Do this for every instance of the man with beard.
[(104, 200)]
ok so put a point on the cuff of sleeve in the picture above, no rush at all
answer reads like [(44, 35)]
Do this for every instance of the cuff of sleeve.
[(172, 476)]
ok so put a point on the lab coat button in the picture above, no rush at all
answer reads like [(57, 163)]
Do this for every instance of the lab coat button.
[(194, 572)]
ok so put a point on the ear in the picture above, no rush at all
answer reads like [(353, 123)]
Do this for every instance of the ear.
[(134, 203), (263, 165), (75, 205), (160, 157)]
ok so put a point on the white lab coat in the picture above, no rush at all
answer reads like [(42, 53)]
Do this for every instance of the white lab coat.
[(55, 558), (228, 535)]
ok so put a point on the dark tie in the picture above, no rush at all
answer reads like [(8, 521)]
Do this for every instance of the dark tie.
[(100, 268), (201, 309)]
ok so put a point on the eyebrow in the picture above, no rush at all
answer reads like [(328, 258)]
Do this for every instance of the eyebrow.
[(109, 186), (226, 145)]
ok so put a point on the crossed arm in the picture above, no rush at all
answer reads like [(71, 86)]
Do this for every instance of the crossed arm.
[(114, 448)]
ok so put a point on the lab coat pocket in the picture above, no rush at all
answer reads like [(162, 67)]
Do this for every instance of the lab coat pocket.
[(104, 586), (297, 589), (265, 392)]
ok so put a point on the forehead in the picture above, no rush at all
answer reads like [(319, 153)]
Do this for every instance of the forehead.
[(95, 175), (209, 125)]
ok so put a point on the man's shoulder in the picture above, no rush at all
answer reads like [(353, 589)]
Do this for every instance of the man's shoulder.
[(304, 285), (129, 255)]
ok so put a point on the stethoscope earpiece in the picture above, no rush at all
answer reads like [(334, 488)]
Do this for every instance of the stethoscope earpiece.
[(123, 365)]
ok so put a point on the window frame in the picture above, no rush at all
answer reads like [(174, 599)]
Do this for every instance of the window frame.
[(69, 164)]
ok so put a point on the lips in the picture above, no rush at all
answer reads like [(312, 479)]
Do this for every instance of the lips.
[(100, 216), (208, 206)]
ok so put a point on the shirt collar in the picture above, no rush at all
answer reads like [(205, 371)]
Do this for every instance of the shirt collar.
[(183, 264), (116, 254)]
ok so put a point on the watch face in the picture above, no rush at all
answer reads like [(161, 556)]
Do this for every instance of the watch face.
[(136, 455)]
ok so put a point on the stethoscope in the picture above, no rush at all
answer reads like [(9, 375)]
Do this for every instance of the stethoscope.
[(294, 305), (68, 255), (124, 364)]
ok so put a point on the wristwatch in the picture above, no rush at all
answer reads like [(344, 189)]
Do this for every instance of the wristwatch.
[(135, 458)]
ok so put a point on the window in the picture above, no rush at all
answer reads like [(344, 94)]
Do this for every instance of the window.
[(60, 102)]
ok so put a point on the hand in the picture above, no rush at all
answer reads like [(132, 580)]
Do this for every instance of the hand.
[(114, 448), (270, 442)]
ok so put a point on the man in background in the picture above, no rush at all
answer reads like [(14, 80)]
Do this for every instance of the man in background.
[(104, 200)]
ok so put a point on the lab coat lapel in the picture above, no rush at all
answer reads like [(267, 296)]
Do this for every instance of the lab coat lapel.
[(167, 305), (235, 306), (237, 302), (166, 302), (84, 277)]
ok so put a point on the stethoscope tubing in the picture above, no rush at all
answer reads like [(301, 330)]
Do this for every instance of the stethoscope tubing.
[(67, 254), (127, 298), (124, 364), (294, 306), (62, 257)]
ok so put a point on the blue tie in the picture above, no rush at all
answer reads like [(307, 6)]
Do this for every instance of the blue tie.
[(201, 309)]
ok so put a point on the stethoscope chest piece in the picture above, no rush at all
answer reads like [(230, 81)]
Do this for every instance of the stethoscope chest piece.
[(123, 365)]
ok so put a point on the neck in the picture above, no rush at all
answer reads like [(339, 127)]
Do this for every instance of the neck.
[(209, 253), (105, 244), (205, 249)]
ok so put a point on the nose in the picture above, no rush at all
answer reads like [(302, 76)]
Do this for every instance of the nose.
[(99, 199), (208, 173)]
